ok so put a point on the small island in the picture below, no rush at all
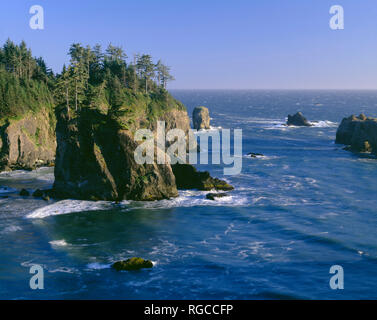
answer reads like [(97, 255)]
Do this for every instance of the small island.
[(358, 133)]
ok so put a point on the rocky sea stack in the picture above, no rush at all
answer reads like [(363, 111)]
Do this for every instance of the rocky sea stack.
[(132, 264), (200, 118), (299, 120), (359, 133)]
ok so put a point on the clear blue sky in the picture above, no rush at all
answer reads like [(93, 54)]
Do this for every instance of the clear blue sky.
[(235, 44)]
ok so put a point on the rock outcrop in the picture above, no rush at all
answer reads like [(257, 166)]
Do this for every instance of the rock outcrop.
[(28, 142), (95, 160), (200, 118), (132, 264), (255, 155), (358, 133), (298, 119), (187, 177), (214, 196)]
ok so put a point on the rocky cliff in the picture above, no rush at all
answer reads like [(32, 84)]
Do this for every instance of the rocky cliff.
[(28, 141), (95, 159), (358, 133), (200, 118)]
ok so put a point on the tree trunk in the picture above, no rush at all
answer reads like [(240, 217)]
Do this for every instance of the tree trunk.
[(76, 95)]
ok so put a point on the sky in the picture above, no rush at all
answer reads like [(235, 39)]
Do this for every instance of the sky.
[(234, 44)]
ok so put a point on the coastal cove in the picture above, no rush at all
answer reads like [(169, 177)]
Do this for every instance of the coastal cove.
[(299, 207)]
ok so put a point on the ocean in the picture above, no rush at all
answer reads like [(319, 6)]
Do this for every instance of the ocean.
[(303, 207)]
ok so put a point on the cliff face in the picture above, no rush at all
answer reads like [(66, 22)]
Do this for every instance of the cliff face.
[(200, 118), (28, 142), (358, 133), (95, 160)]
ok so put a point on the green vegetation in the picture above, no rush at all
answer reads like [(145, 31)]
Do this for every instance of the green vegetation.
[(103, 81), (25, 82), (94, 80)]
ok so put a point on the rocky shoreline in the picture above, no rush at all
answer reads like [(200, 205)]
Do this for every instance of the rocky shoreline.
[(358, 133)]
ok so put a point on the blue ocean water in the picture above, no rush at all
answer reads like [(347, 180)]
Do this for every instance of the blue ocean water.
[(303, 207)]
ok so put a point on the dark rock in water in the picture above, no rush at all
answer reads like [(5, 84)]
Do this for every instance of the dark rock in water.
[(200, 118), (358, 133), (46, 198), (298, 119), (187, 177), (255, 155), (213, 196), (38, 193), (24, 193), (132, 264)]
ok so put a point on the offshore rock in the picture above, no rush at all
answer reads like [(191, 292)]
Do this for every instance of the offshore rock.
[(187, 177), (358, 133), (132, 264), (200, 118), (298, 119)]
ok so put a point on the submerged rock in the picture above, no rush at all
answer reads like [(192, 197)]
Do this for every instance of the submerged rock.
[(255, 155), (24, 193), (213, 196), (187, 177), (358, 133), (298, 119), (200, 118), (132, 264), (38, 193)]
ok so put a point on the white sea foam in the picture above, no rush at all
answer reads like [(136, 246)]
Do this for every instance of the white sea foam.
[(260, 157), (186, 198), (315, 124), (64, 270), (204, 131), (190, 198), (11, 229), (69, 206), (43, 173), (324, 124), (58, 243), (98, 266)]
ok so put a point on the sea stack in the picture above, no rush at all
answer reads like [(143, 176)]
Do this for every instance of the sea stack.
[(200, 118), (299, 120), (358, 133)]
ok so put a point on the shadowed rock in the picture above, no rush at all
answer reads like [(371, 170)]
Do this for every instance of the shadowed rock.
[(299, 120), (200, 118), (95, 161), (28, 142), (358, 133), (187, 177), (24, 193), (38, 193), (255, 155), (213, 196)]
